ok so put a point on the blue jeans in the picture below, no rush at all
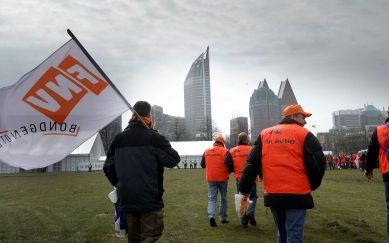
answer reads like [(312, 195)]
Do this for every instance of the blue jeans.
[(213, 188), (387, 205), (253, 197), (290, 224)]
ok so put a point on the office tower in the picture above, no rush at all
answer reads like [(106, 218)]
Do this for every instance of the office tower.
[(286, 95), (346, 120), (371, 117), (237, 125), (197, 95), (172, 127), (109, 132), (265, 109)]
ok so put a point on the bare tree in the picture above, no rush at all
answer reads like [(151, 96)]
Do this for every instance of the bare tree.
[(208, 129), (177, 130)]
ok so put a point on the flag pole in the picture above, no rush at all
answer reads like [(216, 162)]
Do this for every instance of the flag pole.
[(105, 76)]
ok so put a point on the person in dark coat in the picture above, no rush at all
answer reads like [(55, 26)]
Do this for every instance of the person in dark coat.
[(291, 162), (378, 151), (135, 166)]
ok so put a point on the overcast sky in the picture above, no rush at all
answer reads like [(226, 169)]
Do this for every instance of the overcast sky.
[(334, 53)]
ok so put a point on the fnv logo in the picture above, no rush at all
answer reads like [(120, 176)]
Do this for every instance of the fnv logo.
[(61, 88)]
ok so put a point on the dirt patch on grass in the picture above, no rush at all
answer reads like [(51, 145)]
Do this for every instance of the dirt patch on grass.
[(337, 226), (358, 223)]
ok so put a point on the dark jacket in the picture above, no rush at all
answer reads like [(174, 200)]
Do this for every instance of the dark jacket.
[(315, 165), (229, 162), (372, 154), (135, 165)]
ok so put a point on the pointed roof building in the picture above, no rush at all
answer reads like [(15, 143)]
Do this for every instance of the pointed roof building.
[(286, 94)]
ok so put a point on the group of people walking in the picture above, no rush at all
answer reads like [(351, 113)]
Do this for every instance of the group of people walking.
[(289, 160), (342, 161), (286, 158)]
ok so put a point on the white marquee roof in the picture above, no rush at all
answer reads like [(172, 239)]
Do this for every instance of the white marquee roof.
[(86, 147), (191, 147)]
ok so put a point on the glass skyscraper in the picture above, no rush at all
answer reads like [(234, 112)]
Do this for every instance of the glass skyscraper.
[(265, 109), (197, 95)]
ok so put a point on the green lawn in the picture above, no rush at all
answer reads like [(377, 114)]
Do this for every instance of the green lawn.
[(73, 207)]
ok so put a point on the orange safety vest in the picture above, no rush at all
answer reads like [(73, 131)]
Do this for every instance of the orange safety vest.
[(282, 159), (239, 156), (215, 169), (383, 141)]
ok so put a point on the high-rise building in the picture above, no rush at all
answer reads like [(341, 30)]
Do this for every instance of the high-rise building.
[(349, 121), (286, 94), (237, 125), (371, 117), (265, 109), (346, 120), (197, 95), (109, 132), (172, 127)]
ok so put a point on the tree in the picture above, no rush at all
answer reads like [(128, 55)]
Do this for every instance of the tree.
[(177, 130), (208, 129)]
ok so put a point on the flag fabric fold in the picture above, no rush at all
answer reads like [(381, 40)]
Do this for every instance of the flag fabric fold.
[(54, 108)]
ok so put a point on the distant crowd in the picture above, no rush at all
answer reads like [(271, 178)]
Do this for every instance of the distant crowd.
[(343, 161)]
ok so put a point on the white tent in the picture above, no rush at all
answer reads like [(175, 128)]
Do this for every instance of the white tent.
[(90, 154), (191, 152)]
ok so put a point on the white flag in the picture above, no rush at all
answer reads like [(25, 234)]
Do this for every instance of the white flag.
[(54, 108)]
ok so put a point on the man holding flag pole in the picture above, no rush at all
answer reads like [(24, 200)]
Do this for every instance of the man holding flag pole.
[(56, 107)]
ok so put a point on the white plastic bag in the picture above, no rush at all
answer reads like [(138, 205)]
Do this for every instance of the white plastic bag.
[(120, 224), (238, 201)]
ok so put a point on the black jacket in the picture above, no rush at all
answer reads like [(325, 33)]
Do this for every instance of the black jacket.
[(372, 154), (315, 165), (135, 165)]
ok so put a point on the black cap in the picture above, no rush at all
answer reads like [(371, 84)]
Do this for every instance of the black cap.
[(143, 108)]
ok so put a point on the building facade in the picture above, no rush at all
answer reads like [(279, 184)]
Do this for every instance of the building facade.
[(172, 127), (109, 132), (286, 94), (265, 109), (348, 120), (197, 99), (237, 125)]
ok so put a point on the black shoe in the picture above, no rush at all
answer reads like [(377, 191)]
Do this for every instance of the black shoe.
[(225, 221), (252, 220), (212, 222), (244, 221)]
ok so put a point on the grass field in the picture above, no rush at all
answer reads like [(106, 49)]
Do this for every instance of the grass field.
[(73, 207)]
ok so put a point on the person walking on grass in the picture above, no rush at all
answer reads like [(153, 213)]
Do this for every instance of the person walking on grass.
[(378, 150), (235, 161), (217, 178), (135, 165), (291, 162)]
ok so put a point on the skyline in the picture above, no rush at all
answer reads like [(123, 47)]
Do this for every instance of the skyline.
[(333, 53)]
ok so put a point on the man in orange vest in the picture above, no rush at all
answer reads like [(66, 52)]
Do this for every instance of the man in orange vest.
[(291, 162), (217, 178), (235, 161), (378, 150)]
